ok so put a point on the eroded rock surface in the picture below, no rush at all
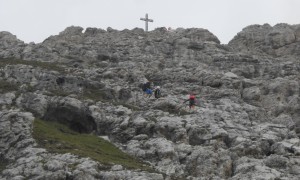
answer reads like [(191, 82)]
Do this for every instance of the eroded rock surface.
[(246, 124)]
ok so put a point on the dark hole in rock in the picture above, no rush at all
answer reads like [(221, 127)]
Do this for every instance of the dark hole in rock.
[(78, 119), (60, 81), (103, 57)]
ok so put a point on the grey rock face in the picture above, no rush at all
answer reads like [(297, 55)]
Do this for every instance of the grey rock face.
[(15, 133), (279, 41), (7, 98), (26, 160), (10, 46), (245, 124)]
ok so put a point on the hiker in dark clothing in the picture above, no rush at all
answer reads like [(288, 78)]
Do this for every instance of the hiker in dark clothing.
[(146, 86), (157, 92), (147, 89)]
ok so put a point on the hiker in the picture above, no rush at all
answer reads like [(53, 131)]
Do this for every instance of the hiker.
[(192, 101), (157, 92), (147, 89), (146, 86), (148, 92)]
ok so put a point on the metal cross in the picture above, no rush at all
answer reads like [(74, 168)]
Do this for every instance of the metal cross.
[(146, 21)]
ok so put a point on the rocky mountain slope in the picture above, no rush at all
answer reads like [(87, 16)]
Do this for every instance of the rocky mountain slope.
[(246, 124)]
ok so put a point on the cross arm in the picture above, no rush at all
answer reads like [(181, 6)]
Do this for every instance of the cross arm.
[(144, 19)]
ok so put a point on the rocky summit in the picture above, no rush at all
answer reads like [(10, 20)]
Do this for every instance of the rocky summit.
[(245, 125)]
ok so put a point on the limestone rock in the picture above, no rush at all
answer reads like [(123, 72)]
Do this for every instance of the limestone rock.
[(245, 124)]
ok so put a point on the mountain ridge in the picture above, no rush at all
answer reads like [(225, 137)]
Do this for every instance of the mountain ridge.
[(246, 123)]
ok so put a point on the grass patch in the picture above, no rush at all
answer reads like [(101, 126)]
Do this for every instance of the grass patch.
[(57, 138), (43, 65), (7, 87)]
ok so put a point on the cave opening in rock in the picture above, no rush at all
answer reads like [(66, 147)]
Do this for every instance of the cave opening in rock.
[(77, 119)]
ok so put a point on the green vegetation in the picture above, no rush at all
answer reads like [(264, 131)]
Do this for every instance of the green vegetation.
[(57, 138), (7, 87), (44, 65)]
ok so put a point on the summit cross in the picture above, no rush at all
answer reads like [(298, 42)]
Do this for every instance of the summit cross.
[(146, 19)]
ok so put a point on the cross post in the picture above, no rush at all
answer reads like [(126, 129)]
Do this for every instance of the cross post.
[(146, 19)]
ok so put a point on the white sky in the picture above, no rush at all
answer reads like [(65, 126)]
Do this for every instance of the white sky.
[(35, 20)]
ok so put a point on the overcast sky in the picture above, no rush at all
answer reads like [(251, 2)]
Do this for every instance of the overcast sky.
[(35, 20)]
